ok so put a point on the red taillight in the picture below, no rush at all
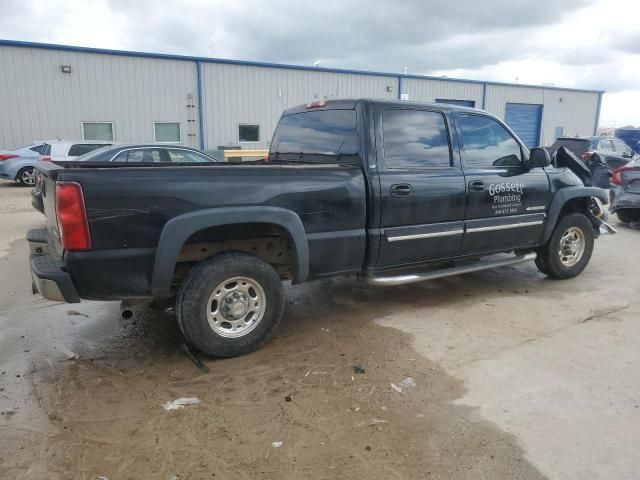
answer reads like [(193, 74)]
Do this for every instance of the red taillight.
[(46, 158), (615, 175), (72, 217), (317, 104), (7, 156)]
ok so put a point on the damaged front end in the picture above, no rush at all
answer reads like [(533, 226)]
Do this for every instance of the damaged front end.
[(597, 216), (596, 211)]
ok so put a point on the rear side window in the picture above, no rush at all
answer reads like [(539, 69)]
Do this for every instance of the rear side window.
[(487, 143), (606, 145), (620, 147), (82, 148), (39, 149), (142, 155), (187, 156), (415, 139), (319, 136)]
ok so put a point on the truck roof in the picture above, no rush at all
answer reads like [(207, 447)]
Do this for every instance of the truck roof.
[(350, 103)]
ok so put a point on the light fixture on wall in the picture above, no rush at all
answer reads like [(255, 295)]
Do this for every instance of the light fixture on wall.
[(389, 88), (65, 68)]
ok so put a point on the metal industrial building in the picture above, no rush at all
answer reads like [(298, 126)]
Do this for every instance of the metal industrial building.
[(49, 91)]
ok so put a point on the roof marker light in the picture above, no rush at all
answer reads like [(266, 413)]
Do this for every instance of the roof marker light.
[(317, 104)]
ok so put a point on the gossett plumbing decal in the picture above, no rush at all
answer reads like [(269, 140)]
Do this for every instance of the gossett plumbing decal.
[(506, 197)]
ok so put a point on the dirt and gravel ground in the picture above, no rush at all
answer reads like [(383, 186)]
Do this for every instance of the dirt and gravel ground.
[(516, 376)]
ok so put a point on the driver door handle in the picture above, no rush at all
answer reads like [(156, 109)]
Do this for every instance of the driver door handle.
[(476, 186), (400, 190)]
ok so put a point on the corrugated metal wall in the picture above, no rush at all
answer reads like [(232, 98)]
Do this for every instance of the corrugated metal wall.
[(235, 94), (574, 111), (38, 101)]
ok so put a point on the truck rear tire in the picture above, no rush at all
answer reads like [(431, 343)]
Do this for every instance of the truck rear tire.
[(230, 304), (569, 249)]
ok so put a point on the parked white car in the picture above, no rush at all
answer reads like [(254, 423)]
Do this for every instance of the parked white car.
[(67, 150), (18, 164)]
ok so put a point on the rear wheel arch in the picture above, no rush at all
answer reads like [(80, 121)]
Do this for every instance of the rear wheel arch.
[(180, 229)]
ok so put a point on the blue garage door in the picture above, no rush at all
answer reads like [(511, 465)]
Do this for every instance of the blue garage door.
[(450, 101), (525, 119)]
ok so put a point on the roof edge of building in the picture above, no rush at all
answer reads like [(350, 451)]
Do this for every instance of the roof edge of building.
[(190, 58)]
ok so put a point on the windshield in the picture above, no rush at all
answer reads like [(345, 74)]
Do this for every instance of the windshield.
[(318, 136)]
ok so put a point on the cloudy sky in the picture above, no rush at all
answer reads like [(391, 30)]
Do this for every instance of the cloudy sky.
[(592, 44)]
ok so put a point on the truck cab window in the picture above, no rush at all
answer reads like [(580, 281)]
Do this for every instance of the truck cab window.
[(487, 143), (415, 139), (316, 136)]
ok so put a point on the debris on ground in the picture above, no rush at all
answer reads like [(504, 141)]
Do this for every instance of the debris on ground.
[(8, 411), (287, 398), (371, 423), (276, 444), (407, 383), (396, 388), (179, 403), (358, 369), (77, 313)]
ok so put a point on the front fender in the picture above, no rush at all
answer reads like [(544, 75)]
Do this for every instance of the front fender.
[(177, 230), (561, 198)]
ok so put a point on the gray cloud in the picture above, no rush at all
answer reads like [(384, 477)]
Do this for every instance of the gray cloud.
[(427, 36), (367, 34)]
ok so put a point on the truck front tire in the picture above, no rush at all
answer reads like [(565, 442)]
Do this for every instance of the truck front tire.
[(569, 249), (230, 304)]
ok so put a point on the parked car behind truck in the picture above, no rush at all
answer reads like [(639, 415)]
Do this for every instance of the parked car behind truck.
[(132, 153), (19, 164), (625, 192), (613, 151), (394, 192)]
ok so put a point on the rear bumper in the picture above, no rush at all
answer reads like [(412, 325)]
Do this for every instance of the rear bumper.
[(94, 275), (619, 199), (49, 276)]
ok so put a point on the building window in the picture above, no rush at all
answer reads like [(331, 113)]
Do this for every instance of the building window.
[(166, 132), (97, 131), (452, 101), (249, 133)]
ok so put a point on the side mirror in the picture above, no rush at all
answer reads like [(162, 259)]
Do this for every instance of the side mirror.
[(627, 155), (538, 157)]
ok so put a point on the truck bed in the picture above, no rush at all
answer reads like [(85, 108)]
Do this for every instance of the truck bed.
[(128, 207)]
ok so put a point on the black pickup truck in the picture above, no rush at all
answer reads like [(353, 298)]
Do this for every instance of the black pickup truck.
[(395, 192)]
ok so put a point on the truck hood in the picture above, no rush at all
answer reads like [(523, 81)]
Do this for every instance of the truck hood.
[(565, 158)]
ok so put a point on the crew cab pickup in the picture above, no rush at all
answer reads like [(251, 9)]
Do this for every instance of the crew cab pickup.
[(394, 192)]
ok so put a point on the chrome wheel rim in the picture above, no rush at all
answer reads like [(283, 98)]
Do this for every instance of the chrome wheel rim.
[(236, 307), (572, 245), (28, 177)]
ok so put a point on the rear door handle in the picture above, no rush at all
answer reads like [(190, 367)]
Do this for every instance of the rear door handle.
[(400, 190), (476, 186)]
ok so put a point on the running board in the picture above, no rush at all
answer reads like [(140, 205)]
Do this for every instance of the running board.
[(448, 272)]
